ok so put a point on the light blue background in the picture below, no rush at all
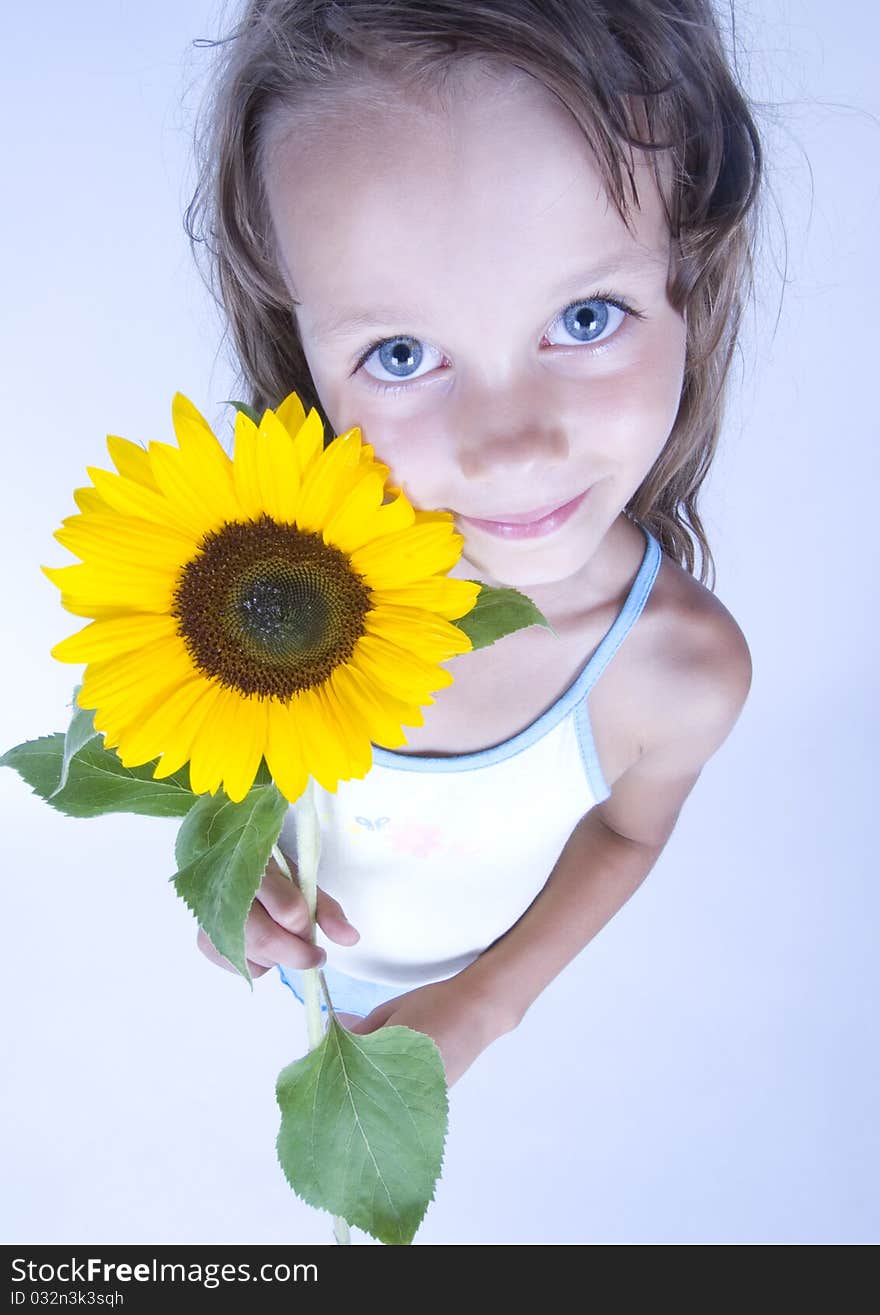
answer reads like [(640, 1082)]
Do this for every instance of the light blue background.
[(706, 1071)]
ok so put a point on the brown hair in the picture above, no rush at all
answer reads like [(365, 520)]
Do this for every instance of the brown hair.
[(649, 74)]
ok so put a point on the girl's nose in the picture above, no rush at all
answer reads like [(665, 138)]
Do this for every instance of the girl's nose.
[(519, 437)]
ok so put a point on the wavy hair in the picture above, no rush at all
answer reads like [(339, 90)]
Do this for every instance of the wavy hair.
[(646, 74)]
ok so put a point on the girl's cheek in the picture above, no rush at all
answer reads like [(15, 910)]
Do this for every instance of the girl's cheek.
[(415, 460), (411, 446), (650, 389), (625, 416), (398, 441)]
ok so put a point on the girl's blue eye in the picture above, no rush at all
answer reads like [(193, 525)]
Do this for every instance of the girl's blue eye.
[(400, 358), (587, 321), (403, 357)]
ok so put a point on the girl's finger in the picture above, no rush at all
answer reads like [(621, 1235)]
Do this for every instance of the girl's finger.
[(286, 903), (268, 943), (283, 900), (206, 945), (332, 920)]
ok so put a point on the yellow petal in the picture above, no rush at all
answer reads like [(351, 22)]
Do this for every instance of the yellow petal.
[(362, 704), (246, 468), (198, 491), (108, 638), (439, 594), (248, 722), (322, 753), (137, 589), (399, 559), (131, 460), (347, 528), (124, 682), (89, 607), (133, 499), (284, 755), (291, 413), (393, 667), (89, 500), (192, 429), (203, 457), (328, 481), (309, 443), (348, 731), (118, 715), (368, 455), (212, 746), (117, 538), (158, 731), (416, 630), (278, 470), (179, 748), (434, 518), (348, 710), (395, 515), (382, 713)]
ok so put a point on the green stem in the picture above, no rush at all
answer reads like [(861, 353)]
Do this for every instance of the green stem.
[(308, 857)]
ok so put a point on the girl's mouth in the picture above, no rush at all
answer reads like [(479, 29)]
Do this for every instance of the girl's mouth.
[(529, 524)]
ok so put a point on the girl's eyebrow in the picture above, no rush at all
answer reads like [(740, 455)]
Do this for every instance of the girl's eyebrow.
[(344, 321), (631, 260)]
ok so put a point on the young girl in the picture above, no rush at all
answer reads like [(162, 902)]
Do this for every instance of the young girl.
[(512, 243)]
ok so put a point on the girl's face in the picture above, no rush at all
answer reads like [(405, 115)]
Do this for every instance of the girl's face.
[(470, 298)]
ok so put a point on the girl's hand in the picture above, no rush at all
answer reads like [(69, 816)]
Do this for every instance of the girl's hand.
[(277, 926), (460, 1024)]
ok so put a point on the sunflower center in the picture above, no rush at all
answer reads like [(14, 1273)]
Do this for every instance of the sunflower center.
[(284, 611), (269, 610)]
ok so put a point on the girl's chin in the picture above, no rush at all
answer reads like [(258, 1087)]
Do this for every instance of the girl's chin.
[(518, 570)]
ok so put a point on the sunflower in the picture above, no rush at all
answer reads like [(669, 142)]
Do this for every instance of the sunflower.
[(285, 604)]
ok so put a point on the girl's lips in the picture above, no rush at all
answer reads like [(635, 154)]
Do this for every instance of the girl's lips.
[(529, 524)]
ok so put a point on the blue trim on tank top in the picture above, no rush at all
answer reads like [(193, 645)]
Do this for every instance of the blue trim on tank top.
[(573, 697)]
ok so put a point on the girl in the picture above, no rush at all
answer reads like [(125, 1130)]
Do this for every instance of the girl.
[(511, 242)]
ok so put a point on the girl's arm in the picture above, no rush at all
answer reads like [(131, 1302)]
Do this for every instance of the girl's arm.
[(617, 843), (606, 858)]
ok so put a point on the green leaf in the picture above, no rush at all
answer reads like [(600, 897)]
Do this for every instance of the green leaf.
[(78, 733), (243, 406), (222, 850), (97, 782), (498, 612), (363, 1125)]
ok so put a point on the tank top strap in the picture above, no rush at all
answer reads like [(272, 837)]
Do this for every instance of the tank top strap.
[(627, 616)]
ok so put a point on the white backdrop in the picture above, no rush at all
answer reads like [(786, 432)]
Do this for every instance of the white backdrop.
[(706, 1071)]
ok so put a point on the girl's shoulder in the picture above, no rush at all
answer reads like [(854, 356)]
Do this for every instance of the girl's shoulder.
[(682, 635), (699, 651), (670, 698)]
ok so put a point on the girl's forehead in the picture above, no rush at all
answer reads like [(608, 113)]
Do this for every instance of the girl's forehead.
[(397, 188)]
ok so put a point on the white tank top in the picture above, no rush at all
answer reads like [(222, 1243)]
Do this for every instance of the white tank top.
[(434, 858)]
